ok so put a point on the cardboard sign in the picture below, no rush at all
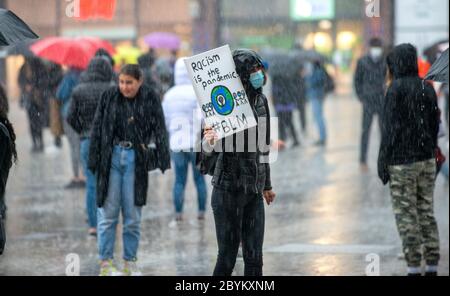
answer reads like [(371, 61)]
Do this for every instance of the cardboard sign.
[(220, 93)]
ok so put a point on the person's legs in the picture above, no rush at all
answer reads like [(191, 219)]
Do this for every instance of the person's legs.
[(228, 221), (131, 213), (181, 162), (282, 125), (366, 125), (108, 215), (200, 184), (404, 198), (302, 110), (290, 125), (317, 106), (427, 221), (253, 236), (91, 204), (74, 143)]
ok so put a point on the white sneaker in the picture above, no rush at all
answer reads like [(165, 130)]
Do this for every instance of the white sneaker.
[(109, 270), (131, 269)]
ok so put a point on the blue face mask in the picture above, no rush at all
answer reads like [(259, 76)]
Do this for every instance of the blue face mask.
[(257, 79)]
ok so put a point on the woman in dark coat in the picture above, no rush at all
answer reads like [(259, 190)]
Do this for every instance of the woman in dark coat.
[(410, 125), (8, 155), (128, 118)]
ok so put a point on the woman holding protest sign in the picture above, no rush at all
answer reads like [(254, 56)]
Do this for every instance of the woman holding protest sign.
[(241, 180)]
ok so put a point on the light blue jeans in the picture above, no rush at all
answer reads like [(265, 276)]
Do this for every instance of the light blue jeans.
[(181, 161), (91, 200), (317, 108), (120, 197)]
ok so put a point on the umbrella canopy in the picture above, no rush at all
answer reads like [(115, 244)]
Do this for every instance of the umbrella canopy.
[(163, 40), (99, 43), (435, 50), (439, 70), (21, 48), (13, 29), (127, 55), (65, 51)]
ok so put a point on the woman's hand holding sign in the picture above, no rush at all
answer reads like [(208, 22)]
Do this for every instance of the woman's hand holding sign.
[(210, 136)]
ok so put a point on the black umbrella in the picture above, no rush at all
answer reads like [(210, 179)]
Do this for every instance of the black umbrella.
[(21, 48), (13, 29), (439, 70)]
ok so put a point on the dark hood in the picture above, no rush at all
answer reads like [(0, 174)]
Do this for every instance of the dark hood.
[(402, 61), (99, 70), (247, 60)]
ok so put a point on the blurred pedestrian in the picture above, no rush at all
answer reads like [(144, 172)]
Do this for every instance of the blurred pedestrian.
[(64, 93), (32, 77), (128, 118), (285, 92), (369, 83), (241, 180), (85, 98), (54, 78), (183, 120), (410, 125), (8, 156), (316, 91), (147, 62)]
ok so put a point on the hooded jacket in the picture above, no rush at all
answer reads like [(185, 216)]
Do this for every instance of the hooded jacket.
[(410, 118), (182, 112), (246, 171), (86, 96)]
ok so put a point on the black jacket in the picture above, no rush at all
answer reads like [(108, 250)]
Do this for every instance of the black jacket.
[(5, 163), (86, 96), (410, 120), (150, 126), (243, 171), (370, 80)]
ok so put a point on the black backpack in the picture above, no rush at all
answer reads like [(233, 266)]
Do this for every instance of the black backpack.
[(329, 83)]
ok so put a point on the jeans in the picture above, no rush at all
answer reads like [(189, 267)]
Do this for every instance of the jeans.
[(317, 107), (91, 192), (181, 161), (238, 217), (120, 197)]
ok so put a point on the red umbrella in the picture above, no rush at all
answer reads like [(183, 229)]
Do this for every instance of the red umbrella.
[(99, 43), (65, 51)]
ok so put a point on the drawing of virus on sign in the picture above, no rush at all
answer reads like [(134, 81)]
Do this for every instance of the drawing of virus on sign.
[(222, 100)]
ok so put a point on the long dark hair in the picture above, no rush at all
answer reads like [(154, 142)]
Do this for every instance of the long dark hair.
[(4, 108)]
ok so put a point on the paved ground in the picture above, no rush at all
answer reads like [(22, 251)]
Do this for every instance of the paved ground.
[(328, 216)]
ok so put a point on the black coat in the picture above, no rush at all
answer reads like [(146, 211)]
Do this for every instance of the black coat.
[(243, 171), (369, 82), (5, 163), (86, 96), (410, 119), (150, 126)]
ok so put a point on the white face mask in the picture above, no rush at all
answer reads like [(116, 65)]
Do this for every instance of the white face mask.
[(376, 53)]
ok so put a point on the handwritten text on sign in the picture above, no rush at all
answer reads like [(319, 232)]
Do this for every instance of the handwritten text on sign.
[(221, 95)]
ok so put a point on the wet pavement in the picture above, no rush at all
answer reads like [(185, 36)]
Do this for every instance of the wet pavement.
[(329, 217)]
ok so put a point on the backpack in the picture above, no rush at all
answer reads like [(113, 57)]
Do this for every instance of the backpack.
[(329, 83)]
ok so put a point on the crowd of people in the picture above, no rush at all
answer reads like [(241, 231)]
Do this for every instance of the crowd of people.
[(122, 125)]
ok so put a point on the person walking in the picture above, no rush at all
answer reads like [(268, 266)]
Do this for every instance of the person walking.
[(85, 98), (369, 83), (183, 120), (128, 118), (410, 126)]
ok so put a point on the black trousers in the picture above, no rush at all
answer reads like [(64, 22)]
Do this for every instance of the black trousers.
[(286, 124), (36, 122), (238, 217), (368, 116)]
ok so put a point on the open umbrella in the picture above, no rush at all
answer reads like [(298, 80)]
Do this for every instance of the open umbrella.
[(439, 70), (163, 40), (65, 51), (99, 43), (13, 29), (21, 48)]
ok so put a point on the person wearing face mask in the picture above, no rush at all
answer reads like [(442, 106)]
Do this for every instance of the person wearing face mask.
[(241, 180), (369, 83)]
